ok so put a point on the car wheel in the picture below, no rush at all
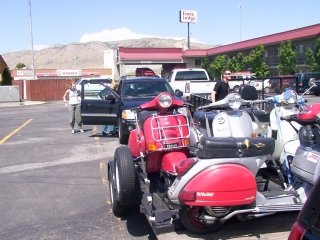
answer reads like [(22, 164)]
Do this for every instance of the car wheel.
[(123, 139), (125, 177)]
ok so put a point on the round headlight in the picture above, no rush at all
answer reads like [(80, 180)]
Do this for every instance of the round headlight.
[(165, 100), (235, 102)]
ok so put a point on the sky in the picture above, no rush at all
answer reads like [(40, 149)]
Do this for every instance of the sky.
[(77, 21)]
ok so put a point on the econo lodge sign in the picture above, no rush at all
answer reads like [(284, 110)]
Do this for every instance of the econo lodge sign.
[(188, 16)]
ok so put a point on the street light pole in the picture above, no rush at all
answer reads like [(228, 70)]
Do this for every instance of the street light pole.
[(240, 6), (31, 33)]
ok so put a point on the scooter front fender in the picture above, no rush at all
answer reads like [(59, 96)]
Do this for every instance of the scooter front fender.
[(220, 185)]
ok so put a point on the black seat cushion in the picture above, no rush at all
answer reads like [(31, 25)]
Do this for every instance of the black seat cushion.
[(228, 147), (248, 92)]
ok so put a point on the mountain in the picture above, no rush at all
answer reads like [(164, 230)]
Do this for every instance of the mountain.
[(87, 55)]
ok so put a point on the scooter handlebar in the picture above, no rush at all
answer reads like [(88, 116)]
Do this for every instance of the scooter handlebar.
[(290, 118)]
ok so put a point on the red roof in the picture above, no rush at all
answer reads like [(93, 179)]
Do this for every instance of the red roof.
[(175, 54), (304, 32), (149, 54)]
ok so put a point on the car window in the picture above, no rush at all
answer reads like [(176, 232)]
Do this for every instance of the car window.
[(97, 91), (191, 75), (145, 88)]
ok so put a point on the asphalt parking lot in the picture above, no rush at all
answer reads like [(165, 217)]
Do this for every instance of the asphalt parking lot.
[(53, 186)]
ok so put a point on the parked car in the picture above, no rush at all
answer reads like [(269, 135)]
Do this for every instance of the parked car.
[(307, 226), (260, 84), (144, 71), (304, 80), (112, 107), (279, 83), (316, 88)]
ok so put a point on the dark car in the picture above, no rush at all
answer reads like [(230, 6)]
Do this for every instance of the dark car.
[(307, 226), (316, 88), (112, 107)]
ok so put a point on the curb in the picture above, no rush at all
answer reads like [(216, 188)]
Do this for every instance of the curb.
[(17, 104)]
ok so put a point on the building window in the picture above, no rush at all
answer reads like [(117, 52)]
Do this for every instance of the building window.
[(198, 61), (301, 48)]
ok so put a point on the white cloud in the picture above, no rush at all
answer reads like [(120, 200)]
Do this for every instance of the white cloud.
[(38, 47), (121, 34)]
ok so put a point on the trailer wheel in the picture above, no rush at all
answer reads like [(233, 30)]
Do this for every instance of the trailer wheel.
[(125, 176), (191, 218), (117, 209)]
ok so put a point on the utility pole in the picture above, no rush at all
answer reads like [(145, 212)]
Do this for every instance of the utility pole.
[(31, 33)]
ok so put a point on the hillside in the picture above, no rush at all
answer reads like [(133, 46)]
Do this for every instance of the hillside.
[(86, 55)]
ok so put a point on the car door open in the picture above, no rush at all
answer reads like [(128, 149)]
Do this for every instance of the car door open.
[(99, 103)]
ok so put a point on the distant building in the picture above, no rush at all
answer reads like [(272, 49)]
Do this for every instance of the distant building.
[(72, 74), (301, 39)]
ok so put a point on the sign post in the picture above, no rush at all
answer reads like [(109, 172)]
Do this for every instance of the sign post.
[(188, 16)]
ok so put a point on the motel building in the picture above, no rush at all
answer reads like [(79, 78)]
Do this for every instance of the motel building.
[(121, 61)]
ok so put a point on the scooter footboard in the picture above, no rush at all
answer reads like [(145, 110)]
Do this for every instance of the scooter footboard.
[(220, 185)]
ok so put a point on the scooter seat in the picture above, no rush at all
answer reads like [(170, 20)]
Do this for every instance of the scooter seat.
[(228, 147), (261, 115)]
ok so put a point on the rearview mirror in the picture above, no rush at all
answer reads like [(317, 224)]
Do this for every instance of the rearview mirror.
[(110, 98), (312, 82)]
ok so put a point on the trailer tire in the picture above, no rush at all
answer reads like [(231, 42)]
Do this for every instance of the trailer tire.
[(125, 176), (117, 209)]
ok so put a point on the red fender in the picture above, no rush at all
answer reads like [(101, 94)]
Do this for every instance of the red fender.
[(170, 160), (220, 185), (133, 143)]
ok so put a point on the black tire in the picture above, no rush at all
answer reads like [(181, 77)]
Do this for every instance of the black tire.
[(117, 209), (125, 176), (123, 139), (190, 219)]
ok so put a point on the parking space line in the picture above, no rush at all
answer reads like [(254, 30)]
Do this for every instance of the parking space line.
[(15, 131)]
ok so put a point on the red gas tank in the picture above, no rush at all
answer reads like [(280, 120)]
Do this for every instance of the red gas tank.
[(135, 145)]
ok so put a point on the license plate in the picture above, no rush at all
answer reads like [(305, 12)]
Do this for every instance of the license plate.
[(171, 145)]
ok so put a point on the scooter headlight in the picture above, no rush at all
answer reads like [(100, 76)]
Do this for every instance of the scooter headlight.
[(127, 114), (235, 102), (184, 111), (165, 100)]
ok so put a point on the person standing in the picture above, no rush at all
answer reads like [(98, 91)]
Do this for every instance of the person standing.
[(74, 107), (221, 89)]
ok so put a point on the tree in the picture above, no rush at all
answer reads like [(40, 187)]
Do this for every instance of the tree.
[(287, 58), (313, 57), (6, 77), (257, 63), (311, 61), (219, 64), (20, 66), (237, 63), (206, 65)]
